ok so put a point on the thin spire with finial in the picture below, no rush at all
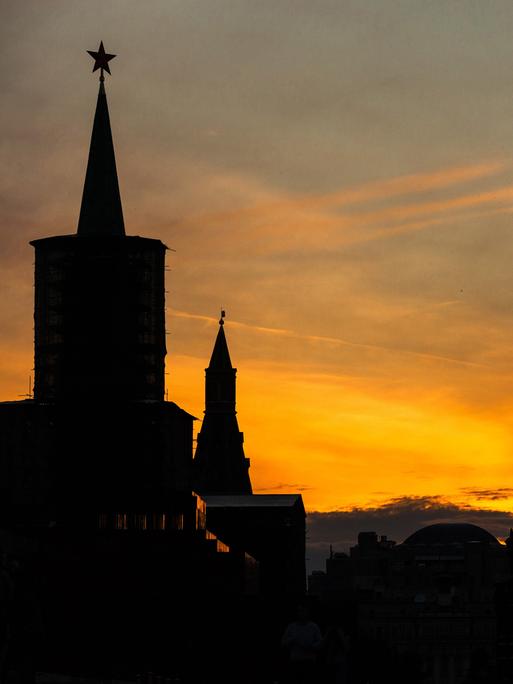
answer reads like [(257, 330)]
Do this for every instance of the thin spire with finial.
[(223, 316), (101, 212)]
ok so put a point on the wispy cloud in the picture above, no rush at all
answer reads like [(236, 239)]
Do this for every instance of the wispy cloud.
[(411, 184), (266, 221), (416, 183), (394, 215), (489, 494), (285, 486), (235, 324), (326, 340)]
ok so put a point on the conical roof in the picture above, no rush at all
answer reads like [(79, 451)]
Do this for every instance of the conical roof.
[(220, 359), (101, 212)]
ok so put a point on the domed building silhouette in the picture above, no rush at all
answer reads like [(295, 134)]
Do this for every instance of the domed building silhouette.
[(442, 534), (432, 607)]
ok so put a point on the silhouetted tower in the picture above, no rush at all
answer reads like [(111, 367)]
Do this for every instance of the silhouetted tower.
[(220, 466), (98, 437), (99, 295)]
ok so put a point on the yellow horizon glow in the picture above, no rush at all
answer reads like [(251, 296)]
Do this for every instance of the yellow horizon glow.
[(342, 446)]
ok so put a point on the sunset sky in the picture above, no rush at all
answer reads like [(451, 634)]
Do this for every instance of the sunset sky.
[(337, 175)]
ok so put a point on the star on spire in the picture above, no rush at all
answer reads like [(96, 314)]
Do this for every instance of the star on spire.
[(101, 60)]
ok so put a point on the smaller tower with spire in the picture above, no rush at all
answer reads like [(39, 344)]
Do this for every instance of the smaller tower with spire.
[(220, 466)]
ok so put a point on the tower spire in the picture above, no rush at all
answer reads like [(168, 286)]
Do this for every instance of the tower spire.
[(101, 212), (220, 359), (220, 466)]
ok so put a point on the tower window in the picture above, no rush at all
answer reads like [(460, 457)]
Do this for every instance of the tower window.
[(177, 521), (201, 521), (54, 337), (144, 318), (55, 319), (141, 521), (121, 521), (54, 297), (55, 274), (146, 338), (159, 521)]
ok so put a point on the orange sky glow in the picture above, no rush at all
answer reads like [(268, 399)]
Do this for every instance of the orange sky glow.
[(356, 223)]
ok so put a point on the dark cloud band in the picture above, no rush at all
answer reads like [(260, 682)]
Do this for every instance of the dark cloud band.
[(397, 519)]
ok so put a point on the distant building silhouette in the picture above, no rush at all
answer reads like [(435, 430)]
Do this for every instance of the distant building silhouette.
[(430, 606)]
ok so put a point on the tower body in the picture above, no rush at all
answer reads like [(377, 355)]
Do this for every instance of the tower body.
[(99, 296), (99, 318)]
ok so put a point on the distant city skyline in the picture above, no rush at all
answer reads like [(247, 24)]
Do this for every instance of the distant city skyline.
[(339, 178)]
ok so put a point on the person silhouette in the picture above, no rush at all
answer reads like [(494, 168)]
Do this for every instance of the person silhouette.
[(334, 650), (302, 639)]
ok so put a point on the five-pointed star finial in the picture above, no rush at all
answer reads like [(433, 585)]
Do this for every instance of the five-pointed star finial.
[(101, 60)]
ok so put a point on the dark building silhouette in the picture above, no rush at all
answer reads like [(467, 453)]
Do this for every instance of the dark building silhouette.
[(271, 527), (436, 607), (98, 437), (220, 466), (97, 507)]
